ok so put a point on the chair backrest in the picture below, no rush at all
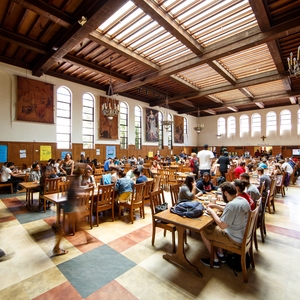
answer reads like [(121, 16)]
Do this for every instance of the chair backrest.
[(51, 185), (156, 183), (147, 189), (138, 193), (97, 178), (106, 194), (262, 187), (84, 199), (174, 190), (147, 173), (156, 198), (250, 227), (63, 186), (172, 175)]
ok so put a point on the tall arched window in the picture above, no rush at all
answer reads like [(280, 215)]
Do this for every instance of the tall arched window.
[(170, 132), (184, 125), (63, 118), (244, 125), (285, 121), (123, 125), (221, 126), (231, 126), (255, 124), (271, 122), (88, 121), (160, 131), (138, 127)]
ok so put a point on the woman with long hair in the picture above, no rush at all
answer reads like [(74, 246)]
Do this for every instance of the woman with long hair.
[(188, 191)]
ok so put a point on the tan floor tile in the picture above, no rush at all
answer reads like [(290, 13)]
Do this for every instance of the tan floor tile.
[(15, 292)]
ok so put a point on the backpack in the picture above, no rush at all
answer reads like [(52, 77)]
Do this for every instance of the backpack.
[(189, 209), (195, 166), (220, 180), (234, 262)]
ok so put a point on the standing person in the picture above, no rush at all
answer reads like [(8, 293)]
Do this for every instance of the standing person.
[(188, 191), (224, 162), (8, 175), (230, 227), (205, 160), (194, 164), (67, 166)]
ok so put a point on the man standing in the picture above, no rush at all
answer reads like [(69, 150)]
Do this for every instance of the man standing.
[(205, 160), (230, 227), (251, 189), (224, 162)]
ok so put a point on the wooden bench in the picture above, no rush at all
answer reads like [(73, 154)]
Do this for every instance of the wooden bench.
[(3, 184)]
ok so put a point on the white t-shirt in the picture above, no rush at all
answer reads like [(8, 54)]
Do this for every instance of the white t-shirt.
[(287, 168), (205, 157), (5, 174)]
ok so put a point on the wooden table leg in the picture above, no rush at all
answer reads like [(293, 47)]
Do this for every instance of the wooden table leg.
[(57, 225), (179, 257)]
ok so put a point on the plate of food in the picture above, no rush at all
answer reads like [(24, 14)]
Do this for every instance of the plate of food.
[(221, 203)]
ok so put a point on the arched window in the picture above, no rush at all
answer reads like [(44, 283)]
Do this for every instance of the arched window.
[(231, 126), (184, 125), (160, 131), (285, 121), (170, 132), (255, 124), (138, 127), (221, 126), (88, 121), (123, 125), (63, 118), (271, 122), (244, 125)]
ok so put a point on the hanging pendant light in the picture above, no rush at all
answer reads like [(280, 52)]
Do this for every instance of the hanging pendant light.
[(198, 126), (167, 123)]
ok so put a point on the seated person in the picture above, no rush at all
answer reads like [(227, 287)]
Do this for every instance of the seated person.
[(263, 164), (130, 173), (87, 179), (230, 227), (240, 189), (188, 191), (8, 175), (124, 187), (240, 169), (205, 185), (115, 174), (251, 189), (139, 177), (263, 179), (154, 167), (35, 173)]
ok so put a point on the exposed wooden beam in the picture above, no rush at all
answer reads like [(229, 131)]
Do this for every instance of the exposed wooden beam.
[(222, 71), (96, 13), (164, 20), (184, 82), (246, 93)]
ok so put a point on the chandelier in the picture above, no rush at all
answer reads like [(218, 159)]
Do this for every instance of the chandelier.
[(198, 126), (293, 63), (110, 108), (167, 123)]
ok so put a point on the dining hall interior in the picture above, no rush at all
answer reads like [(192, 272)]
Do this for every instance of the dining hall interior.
[(84, 76)]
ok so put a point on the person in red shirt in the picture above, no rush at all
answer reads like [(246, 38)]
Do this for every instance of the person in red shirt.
[(240, 169), (240, 187)]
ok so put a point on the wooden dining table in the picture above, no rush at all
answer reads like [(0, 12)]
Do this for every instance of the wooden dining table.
[(182, 224), (29, 187)]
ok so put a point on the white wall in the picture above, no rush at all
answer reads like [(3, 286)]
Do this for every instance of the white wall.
[(39, 132)]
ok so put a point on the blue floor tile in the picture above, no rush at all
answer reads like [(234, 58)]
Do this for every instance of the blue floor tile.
[(94, 269), (34, 216)]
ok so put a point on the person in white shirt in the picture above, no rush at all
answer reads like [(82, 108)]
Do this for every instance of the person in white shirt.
[(7, 175), (286, 167), (205, 160)]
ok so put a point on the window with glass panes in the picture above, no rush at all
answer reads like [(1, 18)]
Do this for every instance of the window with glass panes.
[(255, 123), (138, 127), (184, 125), (221, 126), (244, 124), (231, 126), (123, 125), (271, 121), (285, 120), (88, 121), (160, 131), (170, 133), (63, 118)]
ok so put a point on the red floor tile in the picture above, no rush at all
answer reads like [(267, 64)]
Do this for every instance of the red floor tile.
[(6, 219), (139, 235), (283, 231), (121, 244)]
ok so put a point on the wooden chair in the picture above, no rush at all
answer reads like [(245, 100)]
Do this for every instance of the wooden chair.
[(281, 188), (136, 201), (63, 186), (97, 178), (51, 186), (84, 208), (164, 177), (105, 200), (147, 172), (260, 223), (272, 195), (7, 184), (147, 189), (172, 179), (294, 178), (157, 198), (246, 246), (156, 183), (174, 191)]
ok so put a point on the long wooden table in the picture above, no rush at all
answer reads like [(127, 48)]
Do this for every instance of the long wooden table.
[(181, 223)]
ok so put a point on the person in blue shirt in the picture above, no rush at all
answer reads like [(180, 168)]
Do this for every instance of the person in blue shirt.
[(124, 187), (263, 164), (106, 166), (139, 177)]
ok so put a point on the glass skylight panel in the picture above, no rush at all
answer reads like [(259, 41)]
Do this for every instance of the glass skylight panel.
[(183, 5), (166, 50), (156, 41), (160, 45), (146, 38)]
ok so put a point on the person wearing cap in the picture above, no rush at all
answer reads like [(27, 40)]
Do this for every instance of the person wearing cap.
[(205, 157)]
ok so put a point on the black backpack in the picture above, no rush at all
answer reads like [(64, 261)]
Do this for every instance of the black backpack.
[(234, 262), (220, 180)]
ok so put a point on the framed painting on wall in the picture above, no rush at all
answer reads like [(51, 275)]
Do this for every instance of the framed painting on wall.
[(34, 101), (151, 125), (178, 130), (108, 129)]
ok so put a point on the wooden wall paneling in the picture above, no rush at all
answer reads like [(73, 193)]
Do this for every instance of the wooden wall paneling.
[(13, 153), (36, 151), (276, 150)]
